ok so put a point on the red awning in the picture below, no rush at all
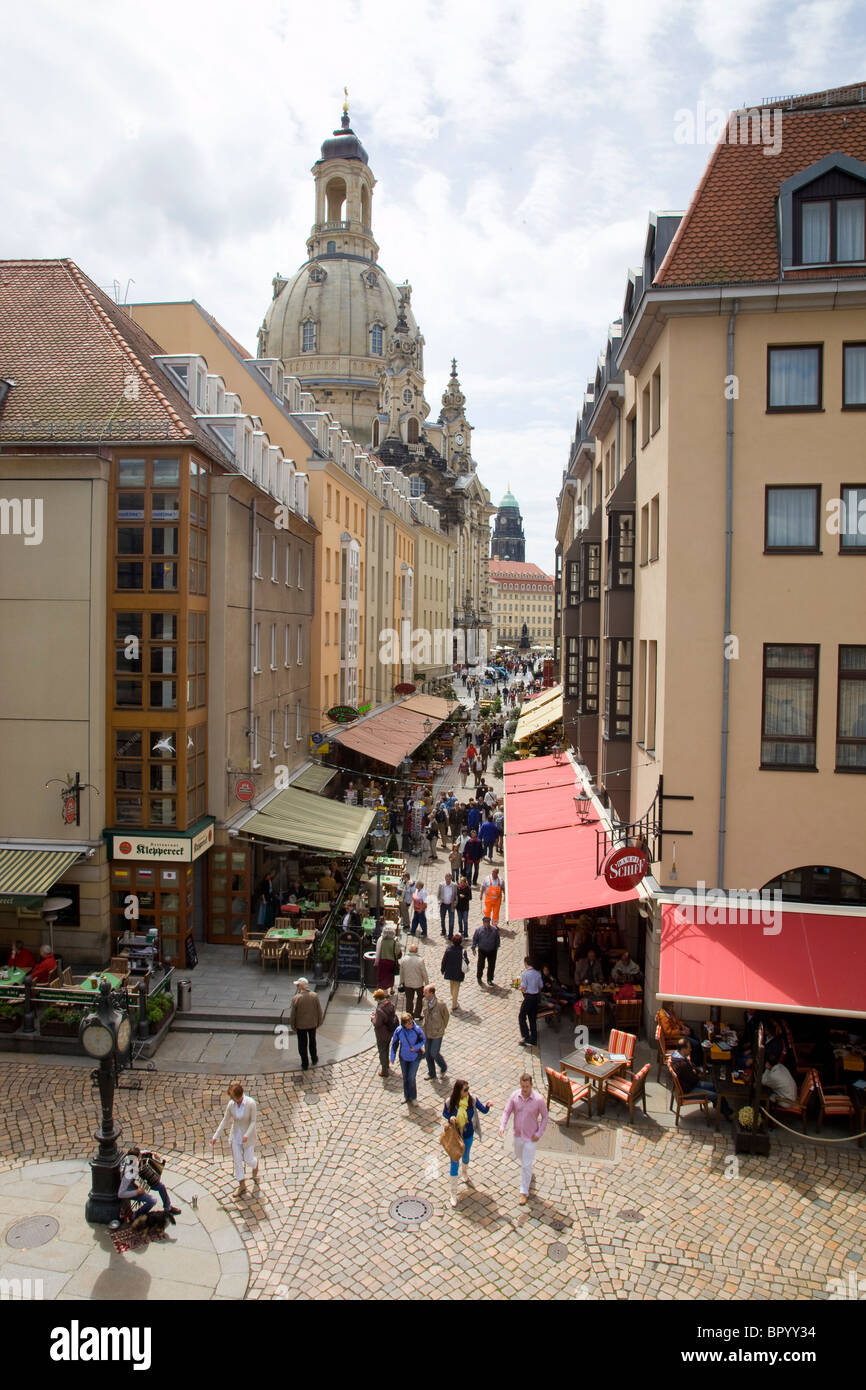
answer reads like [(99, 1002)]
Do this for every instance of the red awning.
[(815, 963), (387, 737), (550, 857)]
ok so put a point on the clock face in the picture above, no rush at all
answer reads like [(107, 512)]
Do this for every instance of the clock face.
[(96, 1039), (459, 439), (124, 1033)]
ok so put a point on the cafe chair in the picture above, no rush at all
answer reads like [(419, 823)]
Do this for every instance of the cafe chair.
[(664, 1053), (834, 1101), (297, 950), (272, 951), (681, 1099), (800, 1106), (251, 943), (627, 1014), (566, 1092), (66, 977), (629, 1087), (622, 1043), (307, 924), (119, 966)]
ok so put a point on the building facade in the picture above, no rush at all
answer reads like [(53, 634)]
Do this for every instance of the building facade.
[(509, 542), (522, 597)]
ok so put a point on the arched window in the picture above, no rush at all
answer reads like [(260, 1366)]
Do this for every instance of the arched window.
[(365, 206), (375, 433), (335, 195), (331, 248), (377, 339), (819, 883), (416, 486), (412, 430), (308, 336)]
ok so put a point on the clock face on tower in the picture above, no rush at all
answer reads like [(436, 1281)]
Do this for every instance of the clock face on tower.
[(459, 439)]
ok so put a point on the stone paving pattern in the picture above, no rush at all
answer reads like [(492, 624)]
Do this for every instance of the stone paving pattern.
[(653, 1214)]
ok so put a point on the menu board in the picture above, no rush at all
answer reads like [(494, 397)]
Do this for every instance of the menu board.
[(349, 945)]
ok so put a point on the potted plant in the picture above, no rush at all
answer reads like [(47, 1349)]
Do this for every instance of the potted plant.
[(10, 1017), (60, 1021), (750, 1136), (159, 1006)]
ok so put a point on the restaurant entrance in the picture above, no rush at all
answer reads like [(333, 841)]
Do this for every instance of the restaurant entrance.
[(155, 887)]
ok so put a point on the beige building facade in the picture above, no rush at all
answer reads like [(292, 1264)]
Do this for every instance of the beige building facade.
[(521, 594)]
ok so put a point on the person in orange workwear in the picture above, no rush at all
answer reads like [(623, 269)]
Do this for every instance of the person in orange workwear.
[(491, 895)]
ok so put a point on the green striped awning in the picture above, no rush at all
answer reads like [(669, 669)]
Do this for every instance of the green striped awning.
[(27, 874), (315, 778)]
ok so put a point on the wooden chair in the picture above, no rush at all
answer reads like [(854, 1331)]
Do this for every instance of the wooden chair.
[(307, 924), (664, 1053), (66, 977), (252, 943), (272, 951), (630, 1087), (566, 1092), (799, 1106), (119, 966), (622, 1043), (834, 1101), (297, 950), (627, 1014), (679, 1097)]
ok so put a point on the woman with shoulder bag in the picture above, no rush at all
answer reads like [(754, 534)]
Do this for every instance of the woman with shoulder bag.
[(387, 955), (454, 959), (461, 1112)]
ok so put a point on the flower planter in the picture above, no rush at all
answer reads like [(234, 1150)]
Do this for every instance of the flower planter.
[(55, 1029), (10, 1025), (751, 1141), (158, 1027)]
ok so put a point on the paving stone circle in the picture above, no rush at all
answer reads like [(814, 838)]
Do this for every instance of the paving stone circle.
[(410, 1210), (630, 1214), (311, 1098), (557, 1251), (31, 1232)]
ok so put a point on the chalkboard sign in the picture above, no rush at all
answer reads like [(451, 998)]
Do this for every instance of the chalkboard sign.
[(191, 954), (349, 955), (542, 945)]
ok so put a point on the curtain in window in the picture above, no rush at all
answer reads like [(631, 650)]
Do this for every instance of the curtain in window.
[(849, 229), (816, 233), (853, 518), (793, 376), (852, 708), (791, 517), (855, 375), (788, 704)]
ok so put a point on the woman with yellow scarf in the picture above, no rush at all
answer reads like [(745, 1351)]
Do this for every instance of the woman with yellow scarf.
[(461, 1111)]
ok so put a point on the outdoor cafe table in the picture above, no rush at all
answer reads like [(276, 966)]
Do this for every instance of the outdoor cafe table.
[(12, 975), (738, 1092), (598, 1075), (93, 981), (289, 934)]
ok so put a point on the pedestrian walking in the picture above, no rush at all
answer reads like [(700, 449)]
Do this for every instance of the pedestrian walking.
[(419, 908), (464, 898), (485, 943), (454, 959), (461, 1112), (531, 984), (387, 955), (413, 978), (431, 834), (530, 1122), (488, 835), (491, 896), (455, 859), (384, 1020), (463, 769), (409, 1041), (446, 895), (240, 1114), (435, 1020), (477, 768), (441, 818), (305, 1015), (472, 854), (407, 888)]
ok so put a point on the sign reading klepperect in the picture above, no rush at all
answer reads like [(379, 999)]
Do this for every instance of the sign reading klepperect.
[(179, 849), (625, 868)]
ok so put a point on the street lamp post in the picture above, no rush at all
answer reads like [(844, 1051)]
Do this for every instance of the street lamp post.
[(104, 1032)]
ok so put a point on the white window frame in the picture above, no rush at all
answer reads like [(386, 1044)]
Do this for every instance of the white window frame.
[(256, 762), (257, 649), (297, 721), (300, 647), (274, 579), (257, 556), (285, 726), (288, 565), (287, 648), (272, 735), (273, 646)]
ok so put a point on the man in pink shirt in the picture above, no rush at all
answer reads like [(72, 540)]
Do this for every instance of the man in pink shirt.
[(530, 1122)]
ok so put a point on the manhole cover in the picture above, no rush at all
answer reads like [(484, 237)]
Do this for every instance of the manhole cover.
[(311, 1098), (32, 1231), (557, 1251), (557, 1225), (410, 1210), (630, 1214)]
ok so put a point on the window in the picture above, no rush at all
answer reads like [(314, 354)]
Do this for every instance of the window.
[(654, 528), (851, 711), (645, 416), (854, 376), (617, 695), (285, 726), (794, 377), (573, 591), (631, 436), (288, 566), (300, 651), (377, 339), (331, 248), (640, 723), (273, 560), (256, 650), (257, 556), (287, 653), (273, 646), (300, 569), (621, 550), (644, 533), (790, 706), (572, 672), (272, 735), (656, 400), (588, 672), (328, 499), (416, 486), (298, 721), (308, 337), (852, 530), (590, 555), (832, 229), (196, 661), (256, 762), (791, 519), (651, 693)]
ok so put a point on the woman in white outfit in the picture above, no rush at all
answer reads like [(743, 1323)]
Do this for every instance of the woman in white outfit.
[(241, 1114)]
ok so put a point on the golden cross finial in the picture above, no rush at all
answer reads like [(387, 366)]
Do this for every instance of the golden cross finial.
[(346, 102)]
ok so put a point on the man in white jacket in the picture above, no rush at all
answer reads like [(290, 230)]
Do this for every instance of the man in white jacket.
[(240, 1113), (413, 978)]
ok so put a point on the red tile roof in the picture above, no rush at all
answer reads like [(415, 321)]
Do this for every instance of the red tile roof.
[(82, 367), (510, 570), (729, 233)]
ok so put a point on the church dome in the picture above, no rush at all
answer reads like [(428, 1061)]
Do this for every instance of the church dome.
[(509, 500), (344, 144)]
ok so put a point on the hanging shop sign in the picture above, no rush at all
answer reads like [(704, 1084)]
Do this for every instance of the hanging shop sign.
[(625, 868), (245, 790), (342, 714), (404, 689), (179, 848)]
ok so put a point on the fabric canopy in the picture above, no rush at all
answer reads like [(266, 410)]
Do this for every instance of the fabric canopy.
[(432, 706), (801, 962), (29, 873), (299, 818), (538, 712), (315, 778), (390, 736), (550, 857)]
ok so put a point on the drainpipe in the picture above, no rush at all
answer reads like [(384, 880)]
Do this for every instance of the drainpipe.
[(252, 627), (729, 535)]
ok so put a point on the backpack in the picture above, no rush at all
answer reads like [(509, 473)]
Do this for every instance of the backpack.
[(441, 814)]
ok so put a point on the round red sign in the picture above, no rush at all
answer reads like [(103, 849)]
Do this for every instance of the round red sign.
[(245, 789), (124, 847), (625, 868), (68, 809)]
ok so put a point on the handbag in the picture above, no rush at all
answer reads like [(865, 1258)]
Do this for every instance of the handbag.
[(452, 1143)]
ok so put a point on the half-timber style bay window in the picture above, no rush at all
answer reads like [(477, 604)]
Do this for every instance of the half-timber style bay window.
[(572, 686), (621, 565), (790, 706), (588, 662), (590, 571), (617, 691)]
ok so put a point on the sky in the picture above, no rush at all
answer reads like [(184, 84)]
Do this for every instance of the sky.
[(518, 151)]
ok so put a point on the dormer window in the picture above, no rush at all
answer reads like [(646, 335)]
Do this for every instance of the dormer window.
[(308, 336), (823, 214), (377, 339)]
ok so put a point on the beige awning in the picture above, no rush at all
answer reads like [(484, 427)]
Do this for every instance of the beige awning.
[(300, 818), (315, 778), (27, 874), (431, 706), (539, 714)]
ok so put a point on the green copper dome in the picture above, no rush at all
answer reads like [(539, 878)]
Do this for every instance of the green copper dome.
[(509, 500)]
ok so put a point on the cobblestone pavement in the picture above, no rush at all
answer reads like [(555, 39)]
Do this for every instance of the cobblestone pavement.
[(654, 1213)]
